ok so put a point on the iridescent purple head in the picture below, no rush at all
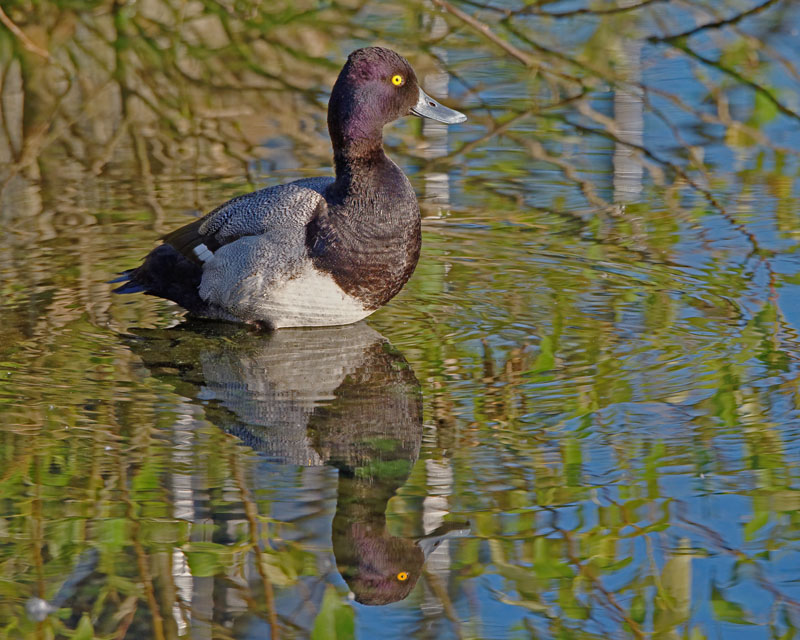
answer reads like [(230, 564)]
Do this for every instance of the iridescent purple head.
[(375, 87)]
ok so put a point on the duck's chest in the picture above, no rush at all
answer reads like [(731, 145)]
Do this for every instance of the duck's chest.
[(368, 245)]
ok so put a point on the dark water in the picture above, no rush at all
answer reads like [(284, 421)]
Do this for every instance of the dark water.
[(578, 420)]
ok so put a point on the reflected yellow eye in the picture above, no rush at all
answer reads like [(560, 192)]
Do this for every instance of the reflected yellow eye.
[(397, 80), (402, 576)]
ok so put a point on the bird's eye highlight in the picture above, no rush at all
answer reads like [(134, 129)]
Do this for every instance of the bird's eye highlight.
[(397, 80), (402, 576)]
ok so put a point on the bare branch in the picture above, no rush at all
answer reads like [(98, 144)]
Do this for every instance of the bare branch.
[(716, 64), (26, 41), (483, 28), (716, 25)]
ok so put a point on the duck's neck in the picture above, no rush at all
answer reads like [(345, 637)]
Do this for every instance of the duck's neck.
[(352, 149), (357, 136), (364, 173)]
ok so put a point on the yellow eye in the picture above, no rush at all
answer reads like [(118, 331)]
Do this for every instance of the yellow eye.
[(402, 576), (397, 80)]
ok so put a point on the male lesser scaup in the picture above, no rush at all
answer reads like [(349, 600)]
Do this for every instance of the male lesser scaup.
[(317, 251)]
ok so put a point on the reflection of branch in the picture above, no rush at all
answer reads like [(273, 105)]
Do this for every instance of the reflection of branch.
[(26, 41), (681, 173), (678, 41), (587, 572), (716, 64), (251, 512), (708, 118), (440, 591), (535, 9), (491, 133), (715, 538), (128, 617), (108, 149), (140, 149), (774, 53), (484, 29), (715, 25), (472, 91), (141, 555), (247, 57), (537, 150)]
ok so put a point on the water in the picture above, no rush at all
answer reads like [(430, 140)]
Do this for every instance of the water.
[(578, 420)]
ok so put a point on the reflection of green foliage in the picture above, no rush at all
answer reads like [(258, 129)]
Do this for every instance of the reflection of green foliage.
[(335, 620), (726, 610), (386, 470)]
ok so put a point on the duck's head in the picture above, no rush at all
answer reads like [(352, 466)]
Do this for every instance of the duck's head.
[(375, 87)]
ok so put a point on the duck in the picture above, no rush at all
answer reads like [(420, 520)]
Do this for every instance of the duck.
[(319, 251)]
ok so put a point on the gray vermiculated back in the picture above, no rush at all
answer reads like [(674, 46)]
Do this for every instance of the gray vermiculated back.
[(279, 208), (273, 223)]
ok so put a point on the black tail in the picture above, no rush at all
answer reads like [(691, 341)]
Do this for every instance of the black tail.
[(167, 274), (130, 286)]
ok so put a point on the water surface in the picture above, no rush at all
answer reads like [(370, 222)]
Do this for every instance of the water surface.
[(578, 420)]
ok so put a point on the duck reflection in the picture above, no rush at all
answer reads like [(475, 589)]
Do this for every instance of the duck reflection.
[(339, 396)]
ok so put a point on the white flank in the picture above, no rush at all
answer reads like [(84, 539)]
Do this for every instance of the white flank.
[(312, 299)]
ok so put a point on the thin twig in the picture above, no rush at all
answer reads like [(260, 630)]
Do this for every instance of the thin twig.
[(716, 64), (715, 25), (251, 512), (537, 11), (440, 591), (141, 556), (29, 44), (484, 29)]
